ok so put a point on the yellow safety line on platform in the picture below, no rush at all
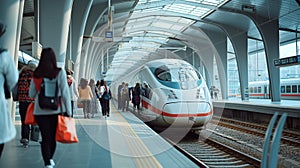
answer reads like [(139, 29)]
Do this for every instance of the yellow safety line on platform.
[(135, 144)]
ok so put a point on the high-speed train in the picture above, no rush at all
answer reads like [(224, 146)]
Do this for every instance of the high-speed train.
[(289, 89), (177, 95)]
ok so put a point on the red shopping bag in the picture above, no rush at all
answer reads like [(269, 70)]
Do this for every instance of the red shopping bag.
[(66, 130), (29, 119)]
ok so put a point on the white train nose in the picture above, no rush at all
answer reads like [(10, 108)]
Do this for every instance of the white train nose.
[(187, 113)]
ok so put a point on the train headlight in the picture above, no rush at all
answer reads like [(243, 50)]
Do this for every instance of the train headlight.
[(201, 94), (170, 94)]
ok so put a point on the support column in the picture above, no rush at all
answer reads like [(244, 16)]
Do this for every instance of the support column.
[(240, 45), (54, 26), (207, 60), (270, 34), (80, 13), (219, 41)]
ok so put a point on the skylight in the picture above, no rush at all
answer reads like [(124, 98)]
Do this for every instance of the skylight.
[(153, 22)]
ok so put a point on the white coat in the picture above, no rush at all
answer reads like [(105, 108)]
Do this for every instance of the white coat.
[(9, 70)]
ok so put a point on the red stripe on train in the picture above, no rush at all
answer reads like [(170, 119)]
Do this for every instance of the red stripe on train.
[(160, 112), (282, 94)]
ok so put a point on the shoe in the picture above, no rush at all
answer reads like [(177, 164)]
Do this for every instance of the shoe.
[(52, 162), (49, 166), (24, 141)]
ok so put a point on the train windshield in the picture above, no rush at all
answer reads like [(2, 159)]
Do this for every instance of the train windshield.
[(178, 77)]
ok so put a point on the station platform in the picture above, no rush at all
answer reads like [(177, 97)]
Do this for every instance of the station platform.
[(266, 106), (121, 141)]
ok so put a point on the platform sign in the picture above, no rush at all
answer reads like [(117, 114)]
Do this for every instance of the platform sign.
[(288, 61), (109, 36)]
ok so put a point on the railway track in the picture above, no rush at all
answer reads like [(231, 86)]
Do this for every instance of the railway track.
[(288, 137), (206, 152)]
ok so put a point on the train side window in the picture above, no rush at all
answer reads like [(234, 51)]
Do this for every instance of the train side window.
[(282, 89), (288, 89), (255, 89), (298, 88), (294, 88), (259, 89), (251, 89)]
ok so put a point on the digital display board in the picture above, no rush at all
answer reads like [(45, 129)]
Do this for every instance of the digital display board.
[(288, 61), (108, 34)]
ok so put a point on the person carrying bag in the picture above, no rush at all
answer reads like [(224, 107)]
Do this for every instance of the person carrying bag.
[(54, 81)]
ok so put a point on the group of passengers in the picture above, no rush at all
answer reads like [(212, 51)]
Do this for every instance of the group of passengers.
[(126, 94), (93, 95), (133, 94)]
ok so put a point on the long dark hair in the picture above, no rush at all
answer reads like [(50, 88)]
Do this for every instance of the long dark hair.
[(103, 83), (47, 67)]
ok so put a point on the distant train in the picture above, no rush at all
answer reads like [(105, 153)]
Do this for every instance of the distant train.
[(289, 89), (178, 96)]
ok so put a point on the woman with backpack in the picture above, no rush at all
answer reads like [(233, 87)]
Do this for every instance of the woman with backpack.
[(43, 77), (105, 95)]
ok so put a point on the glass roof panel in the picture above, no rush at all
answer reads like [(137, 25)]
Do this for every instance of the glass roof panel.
[(207, 2), (178, 27), (147, 27), (160, 33), (147, 1), (185, 21), (179, 8), (163, 25)]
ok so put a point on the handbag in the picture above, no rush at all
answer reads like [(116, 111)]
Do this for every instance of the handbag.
[(66, 130), (79, 104), (106, 95), (30, 119)]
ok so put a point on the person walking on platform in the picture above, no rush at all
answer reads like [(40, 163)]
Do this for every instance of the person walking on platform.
[(9, 77), (136, 99), (85, 95), (73, 90), (25, 77), (125, 97), (94, 100), (105, 95), (47, 119), (120, 87)]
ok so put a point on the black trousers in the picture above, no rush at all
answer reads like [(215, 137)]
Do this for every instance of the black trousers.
[(104, 106), (73, 108), (1, 149), (47, 125), (25, 129)]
